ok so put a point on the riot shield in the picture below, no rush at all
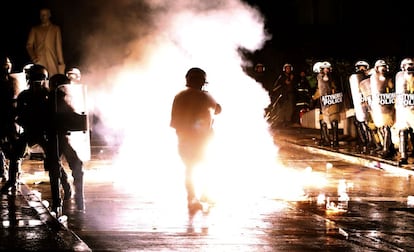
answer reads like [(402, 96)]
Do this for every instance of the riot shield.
[(72, 117), (357, 99)]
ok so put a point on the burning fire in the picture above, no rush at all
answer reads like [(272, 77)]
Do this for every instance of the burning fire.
[(134, 98)]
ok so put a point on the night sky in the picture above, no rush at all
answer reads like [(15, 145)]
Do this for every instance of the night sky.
[(300, 28)]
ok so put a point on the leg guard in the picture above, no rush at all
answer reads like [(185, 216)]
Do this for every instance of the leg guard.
[(335, 132), (403, 138), (325, 139), (388, 150), (14, 172)]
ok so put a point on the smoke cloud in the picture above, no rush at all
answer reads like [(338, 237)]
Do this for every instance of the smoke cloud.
[(137, 54)]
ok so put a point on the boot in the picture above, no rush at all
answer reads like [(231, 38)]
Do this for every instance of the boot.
[(388, 150), (361, 134), (403, 137), (411, 137), (79, 197), (67, 190), (325, 140), (54, 178), (373, 144), (14, 172), (335, 133)]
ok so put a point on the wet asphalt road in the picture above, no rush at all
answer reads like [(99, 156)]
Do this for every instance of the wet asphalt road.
[(123, 215)]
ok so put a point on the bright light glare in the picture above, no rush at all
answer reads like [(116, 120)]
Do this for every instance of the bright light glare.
[(134, 100)]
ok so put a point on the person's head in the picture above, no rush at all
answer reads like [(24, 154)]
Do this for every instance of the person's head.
[(325, 67), (74, 75), (58, 79), (195, 78), (287, 68), (381, 66), (37, 76), (45, 15), (407, 65), (361, 66)]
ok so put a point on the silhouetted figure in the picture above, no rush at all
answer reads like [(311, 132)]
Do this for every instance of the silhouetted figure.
[(192, 117), (8, 129), (64, 118), (282, 96)]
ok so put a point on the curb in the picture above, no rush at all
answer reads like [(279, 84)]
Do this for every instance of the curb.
[(69, 239), (366, 161)]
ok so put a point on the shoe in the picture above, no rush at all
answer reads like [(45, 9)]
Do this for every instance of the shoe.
[(80, 204), (67, 191)]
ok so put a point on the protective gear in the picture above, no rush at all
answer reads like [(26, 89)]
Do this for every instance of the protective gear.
[(379, 63), (74, 74), (195, 77), (325, 64), (362, 136), (37, 73), (407, 64), (403, 136), (335, 133), (316, 67), (287, 65), (361, 63), (259, 68), (14, 172), (388, 149), (325, 139)]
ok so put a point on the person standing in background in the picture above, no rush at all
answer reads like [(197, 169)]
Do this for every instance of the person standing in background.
[(330, 100), (44, 44), (8, 129), (283, 98)]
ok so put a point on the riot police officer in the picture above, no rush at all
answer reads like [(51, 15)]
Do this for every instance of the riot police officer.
[(8, 93), (65, 117), (283, 98), (404, 107), (33, 115), (361, 108), (330, 101), (383, 106)]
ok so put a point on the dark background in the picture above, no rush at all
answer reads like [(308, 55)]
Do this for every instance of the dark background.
[(302, 30)]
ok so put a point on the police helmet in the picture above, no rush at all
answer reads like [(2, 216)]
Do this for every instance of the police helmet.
[(57, 80), (361, 63), (195, 77), (73, 73), (325, 64), (37, 73), (27, 67), (316, 67), (259, 68), (406, 64), (287, 65), (380, 63)]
